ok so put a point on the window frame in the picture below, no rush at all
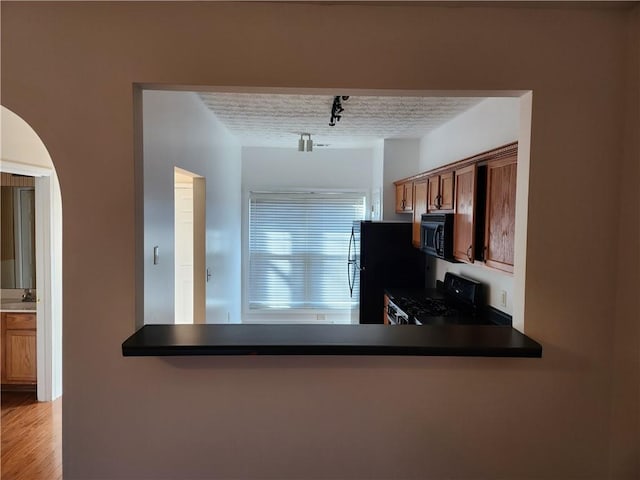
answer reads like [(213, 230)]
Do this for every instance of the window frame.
[(289, 315)]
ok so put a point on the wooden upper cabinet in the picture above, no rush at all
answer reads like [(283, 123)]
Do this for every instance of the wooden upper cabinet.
[(404, 197), (434, 192), (419, 207), (482, 185), (500, 213), (440, 192), (399, 197), (464, 219), (446, 191)]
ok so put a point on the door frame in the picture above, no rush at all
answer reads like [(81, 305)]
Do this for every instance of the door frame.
[(200, 271), (48, 277)]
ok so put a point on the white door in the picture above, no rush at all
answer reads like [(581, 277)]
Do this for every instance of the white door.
[(184, 253)]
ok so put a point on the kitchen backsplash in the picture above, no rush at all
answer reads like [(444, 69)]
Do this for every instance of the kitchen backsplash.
[(499, 285)]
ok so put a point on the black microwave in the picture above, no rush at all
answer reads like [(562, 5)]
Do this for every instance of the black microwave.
[(436, 235)]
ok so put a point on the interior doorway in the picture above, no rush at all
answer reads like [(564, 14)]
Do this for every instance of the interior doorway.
[(23, 153), (189, 222)]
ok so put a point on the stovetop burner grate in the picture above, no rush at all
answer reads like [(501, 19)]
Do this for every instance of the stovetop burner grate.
[(432, 307)]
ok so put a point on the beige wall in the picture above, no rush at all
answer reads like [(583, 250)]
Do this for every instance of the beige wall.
[(626, 351), (68, 70)]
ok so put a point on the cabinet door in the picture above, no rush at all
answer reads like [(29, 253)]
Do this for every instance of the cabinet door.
[(446, 191), (400, 198), (464, 219), (434, 193), (20, 360), (404, 197), (408, 197), (419, 207), (441, 192), (500, 213)]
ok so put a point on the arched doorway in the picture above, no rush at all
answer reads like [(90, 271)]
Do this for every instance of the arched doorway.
[(22, 152)]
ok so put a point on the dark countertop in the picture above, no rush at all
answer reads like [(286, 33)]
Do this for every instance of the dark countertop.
[(226, 339)]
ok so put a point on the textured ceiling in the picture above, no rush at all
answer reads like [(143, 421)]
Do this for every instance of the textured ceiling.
[(277, 120)]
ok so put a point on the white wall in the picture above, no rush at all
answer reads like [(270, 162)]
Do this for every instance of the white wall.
[(401, 159), (273, 169), (351, 168), (180, 131), (492, 123), (377, 187)]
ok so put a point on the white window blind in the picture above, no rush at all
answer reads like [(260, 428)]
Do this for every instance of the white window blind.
[(298, 249)]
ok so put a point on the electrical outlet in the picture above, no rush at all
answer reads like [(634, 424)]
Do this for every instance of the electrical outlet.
[(503, 298)]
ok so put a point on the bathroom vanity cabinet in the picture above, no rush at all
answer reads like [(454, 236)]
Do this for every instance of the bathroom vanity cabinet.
[(18, 355)]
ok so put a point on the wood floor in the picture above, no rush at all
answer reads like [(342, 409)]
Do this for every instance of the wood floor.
[(31, 436)]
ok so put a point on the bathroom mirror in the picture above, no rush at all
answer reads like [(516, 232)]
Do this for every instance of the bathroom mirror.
[(18, 237)]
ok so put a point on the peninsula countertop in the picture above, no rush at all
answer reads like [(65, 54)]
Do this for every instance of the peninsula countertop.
[(259, 339)]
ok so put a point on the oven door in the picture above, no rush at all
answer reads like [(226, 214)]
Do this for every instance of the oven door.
[(395, 316)]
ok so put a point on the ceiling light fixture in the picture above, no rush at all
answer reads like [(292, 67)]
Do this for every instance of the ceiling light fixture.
[(337, 109), (305, 145)]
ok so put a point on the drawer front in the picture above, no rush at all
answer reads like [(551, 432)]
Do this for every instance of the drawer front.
[(20, 321)]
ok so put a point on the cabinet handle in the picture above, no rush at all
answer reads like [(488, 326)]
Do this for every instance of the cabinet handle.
[(438, 203), (469, 253)]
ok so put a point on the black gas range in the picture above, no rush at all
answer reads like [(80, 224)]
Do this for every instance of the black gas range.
[(456, 301)]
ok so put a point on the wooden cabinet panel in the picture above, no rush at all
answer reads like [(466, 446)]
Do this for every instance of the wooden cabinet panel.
[(419, 207), (441, 192), (404, 197), (408, 197), (20, 360), (18, 348), (400, 198), (20, 321), (446, 191), (434, 193), (500, 214), (464, 219)]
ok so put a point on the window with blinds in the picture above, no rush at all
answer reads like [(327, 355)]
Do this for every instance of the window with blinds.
[(298, 249)]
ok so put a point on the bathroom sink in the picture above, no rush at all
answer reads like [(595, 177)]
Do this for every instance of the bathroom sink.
[(17, 305)]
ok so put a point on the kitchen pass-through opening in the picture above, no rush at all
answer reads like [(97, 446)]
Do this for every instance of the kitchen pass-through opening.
[(265, 162)]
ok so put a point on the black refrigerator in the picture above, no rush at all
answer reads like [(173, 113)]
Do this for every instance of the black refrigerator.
[(381, 256)]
